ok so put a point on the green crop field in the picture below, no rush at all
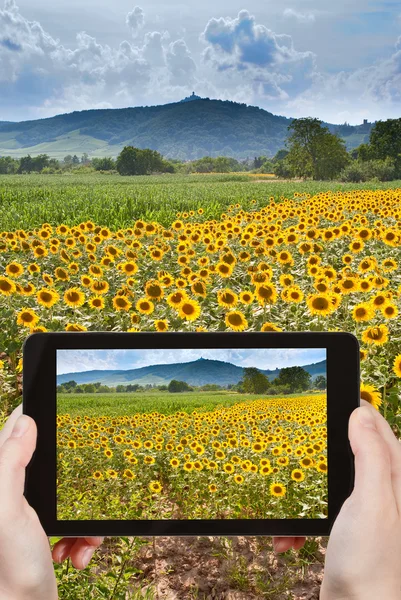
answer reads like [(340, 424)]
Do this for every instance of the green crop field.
[(28, 201), (162, 402)]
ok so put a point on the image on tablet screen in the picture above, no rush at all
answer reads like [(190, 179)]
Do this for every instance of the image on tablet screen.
[(192, 434)]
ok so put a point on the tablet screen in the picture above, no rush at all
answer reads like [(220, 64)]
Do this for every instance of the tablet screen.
[(192, 434)]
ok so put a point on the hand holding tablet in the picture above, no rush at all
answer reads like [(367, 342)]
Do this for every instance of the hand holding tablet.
[(187, 434), (362, 558)]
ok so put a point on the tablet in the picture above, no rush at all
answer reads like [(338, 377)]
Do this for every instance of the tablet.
[(190, 433)]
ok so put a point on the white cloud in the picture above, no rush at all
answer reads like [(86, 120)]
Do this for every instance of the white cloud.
[(290, 13), (236, 57), (135, 20)]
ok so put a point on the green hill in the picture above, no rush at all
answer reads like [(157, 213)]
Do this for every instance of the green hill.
[(198, 372), (183, 130)]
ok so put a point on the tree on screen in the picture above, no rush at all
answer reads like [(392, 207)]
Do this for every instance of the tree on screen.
[(295, 377)]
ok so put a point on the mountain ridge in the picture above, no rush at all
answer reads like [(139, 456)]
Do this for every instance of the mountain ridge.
[(198, 372), (181, 130)]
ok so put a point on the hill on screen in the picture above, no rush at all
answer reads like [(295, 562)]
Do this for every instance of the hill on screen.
[(197, 373)]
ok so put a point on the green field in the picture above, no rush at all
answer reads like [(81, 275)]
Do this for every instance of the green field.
[(164, 403), (28, 201)]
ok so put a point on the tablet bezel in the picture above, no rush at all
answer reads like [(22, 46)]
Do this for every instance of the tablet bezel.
[(39, 383)]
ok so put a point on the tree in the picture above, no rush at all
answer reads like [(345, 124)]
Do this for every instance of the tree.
[(75, 160), (320, 382), (295, 377), (178, 386), (134, 161), (85, 160), (103, 164), (254, 382), (314, 151), (68, 160), (385, 140)]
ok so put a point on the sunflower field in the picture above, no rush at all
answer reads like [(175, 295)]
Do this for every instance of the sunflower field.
[(329, 261), (256, 459)]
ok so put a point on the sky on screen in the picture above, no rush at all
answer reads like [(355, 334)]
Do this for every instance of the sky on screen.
[(74, 361), (339, 61)]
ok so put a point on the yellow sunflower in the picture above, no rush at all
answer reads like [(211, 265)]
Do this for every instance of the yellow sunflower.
[(74, 297), (371, 395)]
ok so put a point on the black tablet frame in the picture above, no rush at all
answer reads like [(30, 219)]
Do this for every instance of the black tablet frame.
[(39, 402)]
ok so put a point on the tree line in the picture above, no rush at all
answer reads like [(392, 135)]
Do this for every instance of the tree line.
[(289, 381), (311, 152)]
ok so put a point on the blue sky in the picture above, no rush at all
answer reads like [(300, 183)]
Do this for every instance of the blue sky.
[(74, 361), (339, 61)]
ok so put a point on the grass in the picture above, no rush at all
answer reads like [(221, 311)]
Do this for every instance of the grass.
[(27, 201)]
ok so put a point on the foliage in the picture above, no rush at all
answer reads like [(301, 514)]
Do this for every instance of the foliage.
[(360, 171), (385, 141), (314, 151), (103, 164), (320, 382), (254, 382), (134, 161), (295, 377), (178, 386)]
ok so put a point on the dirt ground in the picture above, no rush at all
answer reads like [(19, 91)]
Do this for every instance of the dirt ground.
[(238, 568)]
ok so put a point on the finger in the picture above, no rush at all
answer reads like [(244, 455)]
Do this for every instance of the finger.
[(394, 449), (372, 458), (94, 541), (299, 542), (81, 554), (9, 424), (15, 454), (282, 544), (62, 549)]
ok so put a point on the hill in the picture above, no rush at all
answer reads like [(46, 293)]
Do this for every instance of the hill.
[(198, 372), (184, 130)]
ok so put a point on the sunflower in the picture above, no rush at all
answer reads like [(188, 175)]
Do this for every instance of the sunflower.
[(128, 474), (266, 294), (99, 287), (27, 317), (145, 306), (97, 475), (236, 320), (161, 325), (223, 269), (390, 311), (75, 327), (189, 310), (96, 302), (246, 297), (375, 335), (74, 297), (154, 290), (371, 395), (397, 365), (320, 304), (297, 475), (277, 489), (175, 299), (7, 287), (227, 298), (363, 312), (14, 269), (47, 297), (121, 303), (270, 327)]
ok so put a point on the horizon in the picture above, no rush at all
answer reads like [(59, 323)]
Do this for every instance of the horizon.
[(337, 63), (112, 358)]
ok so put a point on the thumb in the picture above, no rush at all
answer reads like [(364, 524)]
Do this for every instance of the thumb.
[(15, 454), (372, 457)]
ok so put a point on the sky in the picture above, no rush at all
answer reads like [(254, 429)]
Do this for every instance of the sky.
[(338, 61), (76, 361)]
